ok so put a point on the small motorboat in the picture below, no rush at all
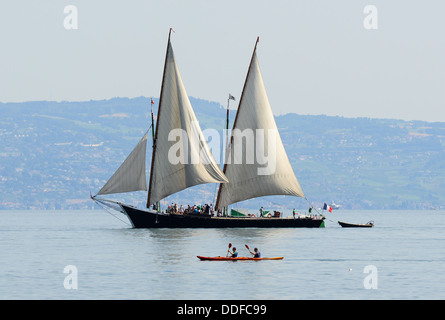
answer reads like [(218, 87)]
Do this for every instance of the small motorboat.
[(369, 224)]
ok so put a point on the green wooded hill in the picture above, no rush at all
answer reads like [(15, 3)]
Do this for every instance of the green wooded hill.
[(53, 154)]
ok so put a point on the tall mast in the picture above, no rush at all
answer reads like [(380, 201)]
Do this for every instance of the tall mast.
[(153, 137), (152, 122), (236, 118), (157, 121), (227, 123), (224, 149), (224, 154)]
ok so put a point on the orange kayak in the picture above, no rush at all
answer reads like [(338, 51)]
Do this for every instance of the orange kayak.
[(236, 259)]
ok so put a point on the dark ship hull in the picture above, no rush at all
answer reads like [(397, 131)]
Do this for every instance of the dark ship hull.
[(152, 219)]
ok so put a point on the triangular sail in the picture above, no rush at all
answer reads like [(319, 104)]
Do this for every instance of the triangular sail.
[(131, 174), (249, 174), (181, 156)]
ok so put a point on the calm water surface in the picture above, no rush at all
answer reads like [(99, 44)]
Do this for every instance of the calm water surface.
[(113, 261)]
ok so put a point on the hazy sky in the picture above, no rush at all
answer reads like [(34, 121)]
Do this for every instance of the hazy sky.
[(316, 56)]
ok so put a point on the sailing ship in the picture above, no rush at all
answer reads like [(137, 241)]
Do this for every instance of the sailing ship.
[(238, 181)]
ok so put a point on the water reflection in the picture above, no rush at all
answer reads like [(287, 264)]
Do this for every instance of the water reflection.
[(253, 233), (213, 241)]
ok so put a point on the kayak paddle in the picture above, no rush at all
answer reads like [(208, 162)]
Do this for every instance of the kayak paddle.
[(228, 250)]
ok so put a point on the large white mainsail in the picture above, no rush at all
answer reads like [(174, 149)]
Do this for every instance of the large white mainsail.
[(248, 179), (175, 114), (131, 174)]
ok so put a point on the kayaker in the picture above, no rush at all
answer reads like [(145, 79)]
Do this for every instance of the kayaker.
[(256, 253), (234, 253)]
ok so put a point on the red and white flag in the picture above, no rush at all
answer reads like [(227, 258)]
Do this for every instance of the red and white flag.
[(326, 207)]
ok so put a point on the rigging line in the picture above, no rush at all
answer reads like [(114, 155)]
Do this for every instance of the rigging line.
[(312, 205), (283, 207), (109, 212), (280, 205), (317, 210), (215, 193)]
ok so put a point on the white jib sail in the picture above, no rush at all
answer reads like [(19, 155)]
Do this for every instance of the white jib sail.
[(260, 167), (131, 174), (182, 157)]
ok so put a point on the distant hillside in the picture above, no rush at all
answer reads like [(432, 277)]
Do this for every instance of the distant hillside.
[(52, 154)]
